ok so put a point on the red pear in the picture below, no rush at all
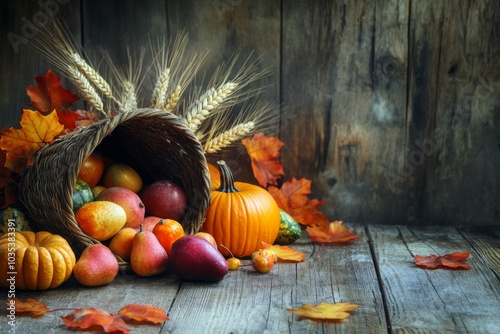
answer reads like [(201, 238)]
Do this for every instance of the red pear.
[(195, 259), (147, 257)]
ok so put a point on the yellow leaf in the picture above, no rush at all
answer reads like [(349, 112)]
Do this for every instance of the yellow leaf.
[(36, 132), (324, 311), (285, 253)]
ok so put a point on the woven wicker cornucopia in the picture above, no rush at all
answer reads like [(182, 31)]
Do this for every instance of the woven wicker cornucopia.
[(157, 143)]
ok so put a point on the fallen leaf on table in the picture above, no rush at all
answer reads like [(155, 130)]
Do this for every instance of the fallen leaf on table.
[(49, 94), (144, 313), (324, 311), (30, 307), (36, 132), (292, 197), (335, 232), (285, 253), (449, 261), (94, 319), (264, 152)]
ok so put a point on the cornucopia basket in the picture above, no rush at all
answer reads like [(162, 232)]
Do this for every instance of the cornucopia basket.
[(157, 143)]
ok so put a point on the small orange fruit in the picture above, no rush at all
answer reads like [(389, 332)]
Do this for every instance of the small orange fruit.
[(92, 169), (121, 243), (97, 190), (167, 231), (122, 175), (101, 220), (208, 237)]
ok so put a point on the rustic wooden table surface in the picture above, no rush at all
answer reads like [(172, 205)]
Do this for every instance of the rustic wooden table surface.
[(375, 271)]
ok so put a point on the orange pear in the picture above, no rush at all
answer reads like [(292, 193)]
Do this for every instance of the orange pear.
[(147, 257)]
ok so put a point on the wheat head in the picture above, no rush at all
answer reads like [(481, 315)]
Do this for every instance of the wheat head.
[(86, 89), (229, 137)]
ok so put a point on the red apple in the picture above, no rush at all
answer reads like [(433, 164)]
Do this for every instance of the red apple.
[(164, 199), (128, 200)]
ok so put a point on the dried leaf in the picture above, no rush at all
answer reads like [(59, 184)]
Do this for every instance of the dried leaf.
[(449, 261), (285, 253), (144, 313), (36, 132), (292, 198), (263, 151), (30, 307), (94, 319), (335, 232), (324, 311), (68, 119), (50, 95)]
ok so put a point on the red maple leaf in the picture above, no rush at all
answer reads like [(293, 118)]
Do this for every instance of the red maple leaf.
[(449, 261), (94, 319), (292, 197), (264, 152), (49, 94)]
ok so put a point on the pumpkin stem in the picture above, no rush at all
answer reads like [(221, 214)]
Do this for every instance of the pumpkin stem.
[(226, 178)]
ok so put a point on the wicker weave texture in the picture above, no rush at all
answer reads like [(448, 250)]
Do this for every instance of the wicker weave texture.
[(158, 142)]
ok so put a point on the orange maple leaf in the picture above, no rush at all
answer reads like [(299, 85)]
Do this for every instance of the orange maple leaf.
[(144, 313), (324, 311), (49, 94), (263, 151), (88, 319), (335, 232), (36, 132), (292, 197), (30, 307), (449, 261), (285, 253)]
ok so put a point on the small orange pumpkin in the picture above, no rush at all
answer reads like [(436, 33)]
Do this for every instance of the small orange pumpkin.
[(241, 215), (35, 261)]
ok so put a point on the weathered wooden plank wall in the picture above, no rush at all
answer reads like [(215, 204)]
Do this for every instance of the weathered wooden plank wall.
[(390, 107)]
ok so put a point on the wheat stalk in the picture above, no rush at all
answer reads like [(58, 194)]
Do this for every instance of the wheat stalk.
[(229, 137), (202, 108), (173, 99), (129, 98), (160, 91), (93, 76), (86, 89)]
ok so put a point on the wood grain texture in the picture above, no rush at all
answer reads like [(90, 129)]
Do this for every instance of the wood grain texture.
[(375, 271), (389, 107), (20, 64), (435, 301), (347, 86)]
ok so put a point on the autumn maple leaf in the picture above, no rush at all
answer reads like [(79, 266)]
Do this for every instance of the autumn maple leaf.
[(324, 311), (49, 94), (292, 197), (29, 307), (264, 152), (36, 132), (143, 313), (285, 253), (335, 232), (87, 319), (449, 261)]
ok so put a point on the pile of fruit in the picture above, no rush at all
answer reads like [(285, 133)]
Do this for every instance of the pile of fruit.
[(138, 223)]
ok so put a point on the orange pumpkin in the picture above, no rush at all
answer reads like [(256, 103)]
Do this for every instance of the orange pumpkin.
[(241, 215), (214, 176), (39, 260)]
